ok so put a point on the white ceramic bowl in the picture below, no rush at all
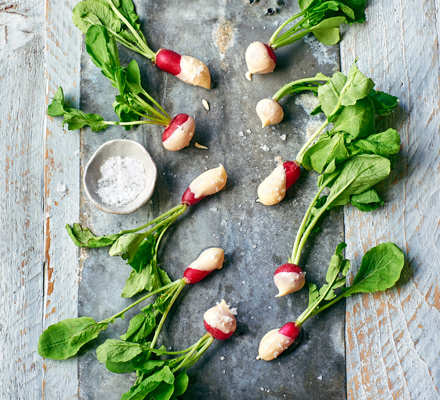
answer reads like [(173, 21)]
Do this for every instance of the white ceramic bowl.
[(122, 148)]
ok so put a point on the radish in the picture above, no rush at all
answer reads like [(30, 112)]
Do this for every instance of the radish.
[(289, 278), (120, 21), (260, 58), (179, 132), (208, 261), (220, 321), (188, 69), (278, 340), (380, 269), (273, 189), (210, 182), (270, 112), (322, 18)]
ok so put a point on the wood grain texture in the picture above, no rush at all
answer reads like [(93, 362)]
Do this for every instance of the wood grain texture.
[(21, 216), (61, 178), (392, 337)]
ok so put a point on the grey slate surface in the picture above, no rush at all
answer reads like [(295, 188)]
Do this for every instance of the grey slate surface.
[(256, 239)]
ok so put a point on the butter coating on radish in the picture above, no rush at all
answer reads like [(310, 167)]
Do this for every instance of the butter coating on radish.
[(188, 69), (210, 182), (289, 278), (278, 340), (273, 189), (208, 261), (220, 321), (179, 132), (260, 58), (270, 112)]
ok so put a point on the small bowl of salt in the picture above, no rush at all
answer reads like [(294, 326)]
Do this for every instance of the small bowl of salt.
[(120, 177)]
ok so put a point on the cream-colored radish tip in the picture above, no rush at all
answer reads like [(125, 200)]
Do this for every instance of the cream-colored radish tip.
[(258, 60), (270, 112), (273, 189)]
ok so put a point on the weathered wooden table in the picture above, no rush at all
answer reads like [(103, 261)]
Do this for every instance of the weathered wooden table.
[(391, 339)]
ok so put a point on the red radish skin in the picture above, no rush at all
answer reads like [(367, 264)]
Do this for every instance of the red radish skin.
[(189, 198), (178, 120), (217, 333), (271, 53), (289, 278), (192, 276), (291, 330), (168, 61), (293, 171)]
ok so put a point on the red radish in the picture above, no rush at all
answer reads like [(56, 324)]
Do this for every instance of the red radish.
[(210, 182), (278, 340), (260, 58), (179, 132), (220, 321), (289, 278), (208, 261), (270, 112), (273, 189), (188, 69)]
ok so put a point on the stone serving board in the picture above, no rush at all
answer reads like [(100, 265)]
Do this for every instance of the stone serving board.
[(256, 239)]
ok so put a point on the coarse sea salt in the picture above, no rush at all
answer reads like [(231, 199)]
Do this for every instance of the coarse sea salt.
[(122, 180)]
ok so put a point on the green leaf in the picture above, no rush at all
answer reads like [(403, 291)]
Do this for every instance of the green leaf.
[(103, 51), (118, 351), (181, 384), (144, 255), (141, 325), (95, 12), (147, 366), (380, 269), (384, 103), (358, 120), (119, 368), (313, 293), (335, 263), (358, 175), (64, 339), (383, 144), (149, 384), (367, 201), (343, 91), (136, 283), (327, 31), (83, 237), (127, 245), (325, 150), (162, 302), (163, 392), (56, 108), (134, 77)]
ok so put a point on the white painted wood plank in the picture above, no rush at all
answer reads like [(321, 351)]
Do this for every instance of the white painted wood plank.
[(21, 216), (61, 192), (392, 337)]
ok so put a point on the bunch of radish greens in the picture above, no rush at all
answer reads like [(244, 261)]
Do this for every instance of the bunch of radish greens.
[(352, 157), (133, 105)]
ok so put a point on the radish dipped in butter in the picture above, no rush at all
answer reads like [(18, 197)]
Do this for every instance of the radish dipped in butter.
[(188, 69), (179, 132), (210, 182), (278, 340), (260, 58), (208, 261), (289, 278), (273, 189), (270, 112), (220, 321)]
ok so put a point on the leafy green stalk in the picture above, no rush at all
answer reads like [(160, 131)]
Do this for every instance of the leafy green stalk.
[(320, 17), (301, 85), (118, 18), (380, 269), (65, 338)]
